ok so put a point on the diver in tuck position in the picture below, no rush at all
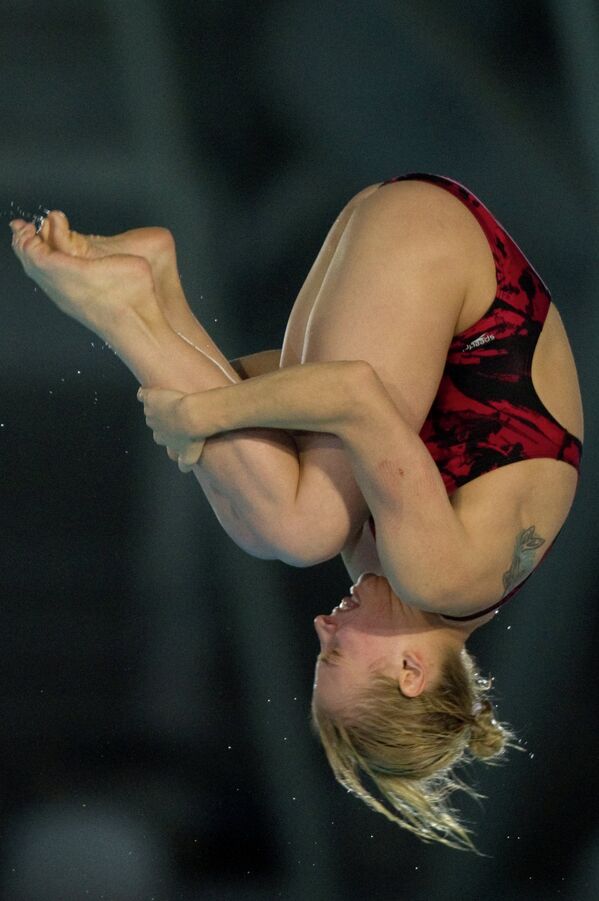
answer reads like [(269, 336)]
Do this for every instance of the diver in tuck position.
[(423, 419)]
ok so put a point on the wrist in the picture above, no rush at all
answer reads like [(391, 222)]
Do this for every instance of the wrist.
[(200, 414)]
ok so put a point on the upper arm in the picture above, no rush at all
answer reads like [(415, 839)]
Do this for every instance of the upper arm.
[(429, 556)]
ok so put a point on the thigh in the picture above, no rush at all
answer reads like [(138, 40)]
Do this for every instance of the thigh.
[(293, 342), (391, 295), (393, 291)]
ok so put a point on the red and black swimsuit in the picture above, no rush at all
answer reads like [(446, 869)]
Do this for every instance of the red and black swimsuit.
[(486, 413)]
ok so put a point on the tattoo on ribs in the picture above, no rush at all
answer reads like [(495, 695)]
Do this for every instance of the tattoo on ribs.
[(523, 560)]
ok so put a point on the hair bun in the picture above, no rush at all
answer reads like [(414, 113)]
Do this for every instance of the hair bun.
[(487, 737)]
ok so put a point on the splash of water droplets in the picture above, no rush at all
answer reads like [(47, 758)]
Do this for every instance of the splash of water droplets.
[(16, 211)]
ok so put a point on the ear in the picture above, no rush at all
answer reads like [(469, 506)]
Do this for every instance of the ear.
[(412, 676)]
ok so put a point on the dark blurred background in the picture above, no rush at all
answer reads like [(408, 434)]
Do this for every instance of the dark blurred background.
[(155, 680)]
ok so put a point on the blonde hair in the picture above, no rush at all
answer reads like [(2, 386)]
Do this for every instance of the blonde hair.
[(407, 746)]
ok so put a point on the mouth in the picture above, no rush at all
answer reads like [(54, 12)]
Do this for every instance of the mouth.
[(348, 603)]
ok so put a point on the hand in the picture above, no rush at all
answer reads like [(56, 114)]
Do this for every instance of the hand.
[(163, 414)]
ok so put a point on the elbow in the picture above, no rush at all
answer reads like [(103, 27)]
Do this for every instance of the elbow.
[(461, 598), (363, 382), (365, 396)]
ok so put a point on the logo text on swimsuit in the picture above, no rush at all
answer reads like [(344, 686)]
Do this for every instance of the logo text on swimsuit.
[(483, 339)]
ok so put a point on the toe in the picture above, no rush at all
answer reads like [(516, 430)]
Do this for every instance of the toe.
[(30, 248), (44, 229), (59, 219), (21, 231), (59, 234), (34, 249)]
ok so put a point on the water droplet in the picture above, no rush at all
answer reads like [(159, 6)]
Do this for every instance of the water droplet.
[(78, 372), (508, 628), (531, 755)]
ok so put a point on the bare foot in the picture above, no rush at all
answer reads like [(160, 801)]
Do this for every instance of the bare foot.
[(95, 292), (156, 245)]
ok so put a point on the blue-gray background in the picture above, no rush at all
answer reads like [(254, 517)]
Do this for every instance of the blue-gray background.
[(155, 680)]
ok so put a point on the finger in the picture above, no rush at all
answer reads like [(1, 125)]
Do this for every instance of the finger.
[(191, 454), (184, 467), (159, 439), (144, 395), (172, 455)]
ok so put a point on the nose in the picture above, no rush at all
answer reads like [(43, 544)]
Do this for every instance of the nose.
[(325, 626)]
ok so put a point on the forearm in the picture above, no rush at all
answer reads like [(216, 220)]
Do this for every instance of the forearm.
[(315, 397)]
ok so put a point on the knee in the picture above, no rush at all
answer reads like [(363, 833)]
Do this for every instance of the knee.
[(358, 198)]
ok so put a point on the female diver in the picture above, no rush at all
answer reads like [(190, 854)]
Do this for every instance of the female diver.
[(423, 419)]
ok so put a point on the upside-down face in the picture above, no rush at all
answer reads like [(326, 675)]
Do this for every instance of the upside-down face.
[(372, 630)]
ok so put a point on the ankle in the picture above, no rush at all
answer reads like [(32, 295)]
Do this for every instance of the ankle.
[(143, 320)]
